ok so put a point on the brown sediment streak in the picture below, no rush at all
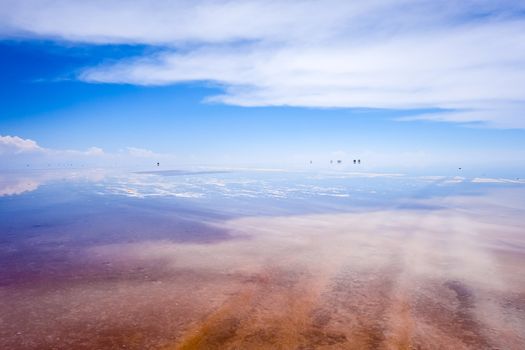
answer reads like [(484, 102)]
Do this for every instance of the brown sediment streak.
[(218, 328), (401, 326), (381, 280), (271, 311)]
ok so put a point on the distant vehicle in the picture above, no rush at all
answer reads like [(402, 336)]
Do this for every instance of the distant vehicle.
[(339, 161)]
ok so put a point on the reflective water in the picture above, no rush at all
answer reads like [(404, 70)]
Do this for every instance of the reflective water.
[(260, 259)]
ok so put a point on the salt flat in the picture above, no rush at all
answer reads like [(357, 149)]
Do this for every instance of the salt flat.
[(243, 259)]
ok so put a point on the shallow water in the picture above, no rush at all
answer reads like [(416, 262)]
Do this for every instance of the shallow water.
[(96, 259)]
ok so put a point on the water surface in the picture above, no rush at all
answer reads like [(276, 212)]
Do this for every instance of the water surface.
[(96, 259)]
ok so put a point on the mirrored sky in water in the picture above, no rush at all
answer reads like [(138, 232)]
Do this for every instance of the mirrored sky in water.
[(255, 259)]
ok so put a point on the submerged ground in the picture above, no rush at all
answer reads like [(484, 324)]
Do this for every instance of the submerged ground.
[(91, 259)]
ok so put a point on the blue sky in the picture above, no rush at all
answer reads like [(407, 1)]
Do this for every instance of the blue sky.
[(264, 83)]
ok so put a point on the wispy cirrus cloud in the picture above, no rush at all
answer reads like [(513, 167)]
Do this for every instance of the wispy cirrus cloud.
[(464, 57)]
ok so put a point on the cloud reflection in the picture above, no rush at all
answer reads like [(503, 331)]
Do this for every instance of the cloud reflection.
[(252, 264), (20, 182), (387, 269)]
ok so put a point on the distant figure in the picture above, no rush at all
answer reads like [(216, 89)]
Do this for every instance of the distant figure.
[(354, 161), (359, 161), (158, 163), (331, 161), (339, 161), (310, 162)]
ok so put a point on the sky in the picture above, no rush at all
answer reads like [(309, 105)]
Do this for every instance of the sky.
[(404, 84)]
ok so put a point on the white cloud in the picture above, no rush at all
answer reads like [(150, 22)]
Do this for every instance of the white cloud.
[(141, 152), (16, 152), (17, 145), (174, 22), (466, 56), (14, 145), (94, 151)]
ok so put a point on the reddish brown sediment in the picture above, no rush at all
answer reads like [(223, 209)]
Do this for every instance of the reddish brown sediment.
[(271, 310), (399, 279)]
